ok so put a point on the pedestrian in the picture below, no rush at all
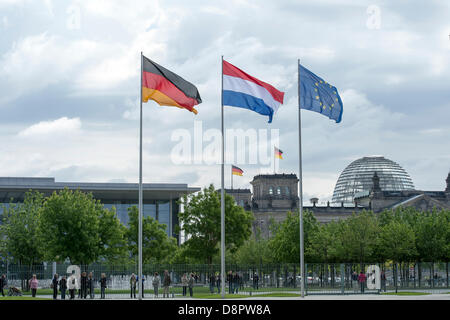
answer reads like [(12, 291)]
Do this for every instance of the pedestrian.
[(383, 281), (191, 282), (362, 280), (34, 285), (212, 282), (218, 281), (72, 284), (102, 286), (156, 281), (255, 281), (63, 287), (354, 280), (236, 282), (142, 284), (184, 283), (3, 282), (166, 283), (54, 286), (133, 286), (230, 282), (91, 285), (83, 285), (241, 281)]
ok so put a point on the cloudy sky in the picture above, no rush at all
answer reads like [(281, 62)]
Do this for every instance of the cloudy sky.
[(70, 83)]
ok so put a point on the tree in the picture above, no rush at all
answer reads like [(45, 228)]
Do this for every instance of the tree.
[(397, 242), (113, 241), (200, 222), (323, 247), (75, 226), (254, 251), (157, 246), (357, 237), (19, 231), (285, 244), (432, 236)]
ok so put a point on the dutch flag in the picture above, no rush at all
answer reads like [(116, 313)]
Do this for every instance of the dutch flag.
[(244, 91)]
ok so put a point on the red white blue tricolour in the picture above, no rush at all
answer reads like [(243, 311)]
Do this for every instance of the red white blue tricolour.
[(244, 91)]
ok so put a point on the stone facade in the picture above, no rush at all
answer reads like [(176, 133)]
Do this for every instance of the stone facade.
[(274, 195)]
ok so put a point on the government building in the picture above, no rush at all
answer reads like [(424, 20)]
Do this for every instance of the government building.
[(159, 199), (369, 183)]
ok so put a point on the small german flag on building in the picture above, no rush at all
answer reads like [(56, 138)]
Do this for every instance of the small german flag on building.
[(167, 88), (236, 171), (278, 153)]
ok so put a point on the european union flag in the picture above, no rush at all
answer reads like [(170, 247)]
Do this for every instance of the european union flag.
[(319, 96)]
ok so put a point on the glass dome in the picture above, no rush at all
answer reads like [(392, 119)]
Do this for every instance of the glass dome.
[(357, 177)]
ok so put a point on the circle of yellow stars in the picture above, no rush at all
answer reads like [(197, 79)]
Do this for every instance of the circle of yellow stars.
[(318, 97)]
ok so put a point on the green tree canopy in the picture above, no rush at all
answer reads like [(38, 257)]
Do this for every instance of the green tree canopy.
[(19, 229), (71, 227), (200, 221), (157, 246), (357, 237), (397, 242), (285, 243)]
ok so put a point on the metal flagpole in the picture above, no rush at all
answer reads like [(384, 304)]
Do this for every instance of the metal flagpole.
[(140, 195), (231, 177), (300, 188), (222, 207)]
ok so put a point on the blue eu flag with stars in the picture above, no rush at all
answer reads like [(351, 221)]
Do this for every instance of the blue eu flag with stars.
[(319, 96)]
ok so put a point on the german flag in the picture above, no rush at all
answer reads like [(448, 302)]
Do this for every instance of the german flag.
[(167, 88), (278, 153), (236, 171)]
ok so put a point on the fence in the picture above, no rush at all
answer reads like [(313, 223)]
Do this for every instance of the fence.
[(338, 278)]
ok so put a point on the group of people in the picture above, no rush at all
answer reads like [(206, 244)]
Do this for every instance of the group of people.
[(83, 286), (234, 282), (186, 282)]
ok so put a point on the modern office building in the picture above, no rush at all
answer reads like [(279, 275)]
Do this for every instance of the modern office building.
[(159, 199)]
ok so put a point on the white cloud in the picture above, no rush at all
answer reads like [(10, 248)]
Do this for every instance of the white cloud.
[(59, 126)]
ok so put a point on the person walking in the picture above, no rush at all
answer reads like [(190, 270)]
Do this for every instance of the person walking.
[(63, 287), (133, 286), (383, 281), (362, 280), (184, 284), (218, 282), (54, 286), (102, 286), (142, 283), (255, 281), (166, 283), (212, 282), (355, 281), (236, 282), (3, 283), (156, 281), (72, 284), (230, 282), (83, 285), (191, 282), (91, 285), (34, 285)]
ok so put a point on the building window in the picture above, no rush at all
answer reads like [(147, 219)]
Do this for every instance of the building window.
[(279, 191), (288, 192), (271, 190)]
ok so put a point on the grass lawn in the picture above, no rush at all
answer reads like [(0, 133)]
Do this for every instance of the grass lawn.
[(176, 290), (406, 293), (22, 298)]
